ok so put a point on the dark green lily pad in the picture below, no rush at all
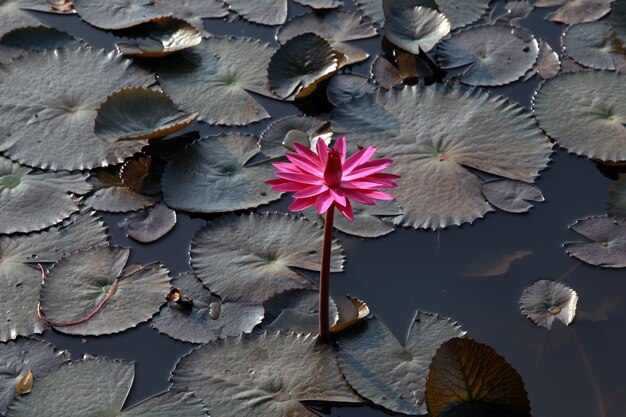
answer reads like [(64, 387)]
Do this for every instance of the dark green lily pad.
[(606, 245), (169, 404), (344, 88), (150, 225), (467, 378), (618, 18), (216, 77), (139, 113), (281, 370), (585, 112), (112, 195), (434, 133), (18, 358), (617, 199), (545, 301), (211, 176), (14, 14), (595, 45), (296, 311), (265, 12), (32, 200), (194, 11), (49, 102), (117, 14), (338, 27), (512, 196), (196, 315), (274, 140), (300, 64), (414, 29), (250, 258), (388, 372), (548, 64), (321, 4), (493, 55), (76, 285), (159, 38), (20, 279), (579, 11)]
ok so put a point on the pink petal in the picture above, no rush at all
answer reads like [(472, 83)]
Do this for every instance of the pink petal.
[(304, 164), (368, 168), (358, 196), (323, 202), (287, 167), (307, 153), (346, 210), (368, 183), (378, 195), (310, 191), (385, 176), (340, 146), (322, 151), (302, 203), (289, 187), (338, 196), (303, 178)]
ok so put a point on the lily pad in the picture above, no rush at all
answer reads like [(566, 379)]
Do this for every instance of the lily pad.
[(150, 225), (606, 245), (273, 139), (14, 14), (117, 14), (388, 74), (31, 200), (49, 102), (38, 38), (300, 64), (414, 29), (112, 195), (281, 370), (211, 176), (20, 280), (321, 4), (468, 378), (196, 315), (337, 27), (250, 258), (515, 11), (296, 311), (139, 113), (265, 12), (546, 301), (390, 373), (579, 11), (143, 174), (169, 404), (21, 357), (492, 55), (344, 88), (434, 133), (194, 11), (585, 112), (216, 78), (159, 37), (373, 9), (618, 18), (77, 287), (512, 196), (351, 311), (595, 45), (548, 64), (617, 199)]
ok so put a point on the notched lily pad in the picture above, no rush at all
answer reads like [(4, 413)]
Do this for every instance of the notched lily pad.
[(250, 258), (211, 176), (585, 112), (111, 194), (280, 135), (579, 11), (546, 301), (33, 200), (467, 378), (414, 29), (265, 12), (491, 55), (193, 11), (159, 38), (34, 38), (296, 311), (548, 64), (351, 311), (512, 196), (14, 15), (150, 225), (595, 45), (606, 245), (88, 293), (388, 372), (139, 113), (344, 88), (300, 64), (284, 370), (388, 74), (194, 314), (461, 13), (118, 14)]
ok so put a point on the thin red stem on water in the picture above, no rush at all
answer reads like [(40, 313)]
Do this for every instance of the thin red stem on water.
[(325, 274), (592, 376)]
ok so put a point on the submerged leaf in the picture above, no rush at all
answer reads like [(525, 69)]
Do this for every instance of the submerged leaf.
[(414, 29), (467, 378), (274, 140), (545, 301), (296, 311), (117, 14), (150, 225), (578, 11), (388, 372), (211, 176), (595, 45), (143, 174), (250, 258), (618, 18), (200, 316), (617, 199), (494, 266), (512, 196), (139, 113), (281, 370), (585, 112), (265, 12), (158, 38), (606, 246)]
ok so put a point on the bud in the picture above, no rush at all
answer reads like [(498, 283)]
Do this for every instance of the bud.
[(333, 170)]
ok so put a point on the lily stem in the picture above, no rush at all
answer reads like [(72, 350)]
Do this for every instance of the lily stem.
[(325, 274)]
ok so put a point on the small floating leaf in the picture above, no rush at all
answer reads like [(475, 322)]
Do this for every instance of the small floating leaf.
[(467, 378), (25, 385), (390, 373), (150, 225), (414, 29), (351, 311), (595, 45), (111, 194), (274, 138), (265, 12), (117, 14), (548, 64), (296, 311), (159, 37), (250, 258), (572, 12), (545, 301), (143, 174), (284, 370), (388, 74), (139, 113), (607, 242), (512, 196)]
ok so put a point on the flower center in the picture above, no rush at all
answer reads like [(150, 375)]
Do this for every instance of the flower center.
[(333, 170)]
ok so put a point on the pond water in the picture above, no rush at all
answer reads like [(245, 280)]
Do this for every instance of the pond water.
[(573, 371)]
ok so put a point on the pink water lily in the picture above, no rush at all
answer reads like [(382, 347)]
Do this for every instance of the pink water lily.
[(327, 179)]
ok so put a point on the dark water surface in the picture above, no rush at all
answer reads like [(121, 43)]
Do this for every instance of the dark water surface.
[(571, 372)]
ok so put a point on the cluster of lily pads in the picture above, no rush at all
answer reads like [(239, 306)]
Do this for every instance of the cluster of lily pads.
[(86, 128)]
